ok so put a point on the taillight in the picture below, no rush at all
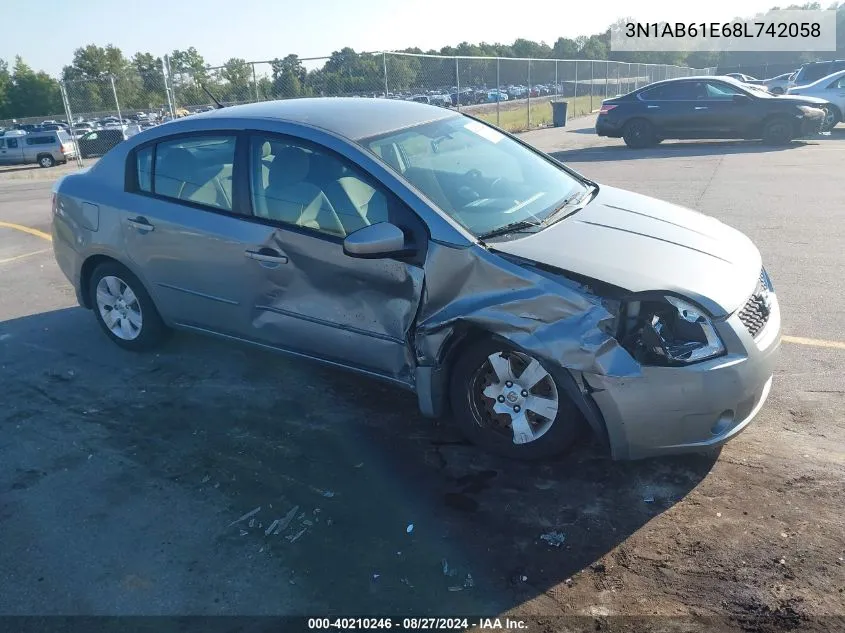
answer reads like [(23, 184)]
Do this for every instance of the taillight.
[(605, 108)]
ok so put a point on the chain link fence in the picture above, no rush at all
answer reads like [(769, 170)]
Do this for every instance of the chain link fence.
[(515, 94)]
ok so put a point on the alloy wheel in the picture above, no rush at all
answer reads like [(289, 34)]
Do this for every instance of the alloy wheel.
[(512, 394), (119, 308)]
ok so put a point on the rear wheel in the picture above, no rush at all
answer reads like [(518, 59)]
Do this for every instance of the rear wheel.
[(509, 403), (639, 134), (45, 160), (124, 309), (777, 131)]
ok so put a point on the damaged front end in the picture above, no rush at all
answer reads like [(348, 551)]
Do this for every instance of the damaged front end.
[(557, 318)]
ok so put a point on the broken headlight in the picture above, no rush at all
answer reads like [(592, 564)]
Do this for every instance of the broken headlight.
[(673, 332)]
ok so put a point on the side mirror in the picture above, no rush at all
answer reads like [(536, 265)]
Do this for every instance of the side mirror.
[(377, 240), (742, 99)]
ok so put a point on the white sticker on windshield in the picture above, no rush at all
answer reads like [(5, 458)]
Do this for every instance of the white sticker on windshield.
[(484, 131)]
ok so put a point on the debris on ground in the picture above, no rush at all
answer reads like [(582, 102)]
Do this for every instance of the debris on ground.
[(554, 539), (285, 522), (272, 527), (410, 528), (244, 532), (405, 581), (649, 499), (447, 570), (248, 515), (328, 494), (469, 583), (376, 576), (252, 523), (296, 536), (456, 588)]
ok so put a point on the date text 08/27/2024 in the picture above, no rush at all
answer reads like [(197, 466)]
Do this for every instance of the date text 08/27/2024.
[(415, 624)]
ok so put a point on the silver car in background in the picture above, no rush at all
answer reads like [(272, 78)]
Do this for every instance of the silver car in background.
[(430, 250)]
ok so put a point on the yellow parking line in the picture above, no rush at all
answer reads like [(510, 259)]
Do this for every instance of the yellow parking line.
[(814, 342), (14, 259), (27, 229)]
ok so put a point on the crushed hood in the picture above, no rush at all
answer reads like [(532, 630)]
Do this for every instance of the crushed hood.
[(643, 244)]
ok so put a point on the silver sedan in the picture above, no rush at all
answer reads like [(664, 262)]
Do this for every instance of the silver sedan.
[(428, 249)]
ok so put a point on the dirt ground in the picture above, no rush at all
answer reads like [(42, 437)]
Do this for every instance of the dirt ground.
[(209, 479)]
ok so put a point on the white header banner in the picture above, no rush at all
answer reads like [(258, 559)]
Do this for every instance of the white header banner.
[(787, 30)]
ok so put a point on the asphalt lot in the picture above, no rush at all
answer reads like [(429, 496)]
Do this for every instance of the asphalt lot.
[(122, 476)]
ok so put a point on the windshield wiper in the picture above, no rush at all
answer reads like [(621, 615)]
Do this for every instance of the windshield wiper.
[(513, 227), (574, 199)]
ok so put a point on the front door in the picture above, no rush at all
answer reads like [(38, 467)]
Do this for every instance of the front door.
[(11, 150), (195, 247), (320, 301)]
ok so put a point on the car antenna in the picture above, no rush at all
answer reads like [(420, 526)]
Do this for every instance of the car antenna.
[(212, 97)]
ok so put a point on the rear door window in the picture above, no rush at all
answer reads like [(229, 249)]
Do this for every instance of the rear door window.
[(196, 169), (675, 91)]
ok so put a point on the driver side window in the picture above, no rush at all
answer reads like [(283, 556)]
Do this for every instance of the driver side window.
[(309, 187)]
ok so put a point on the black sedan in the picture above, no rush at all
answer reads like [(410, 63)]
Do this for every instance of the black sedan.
[(98, 142), (707, 107)]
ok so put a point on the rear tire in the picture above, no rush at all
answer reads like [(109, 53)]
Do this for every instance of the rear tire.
[(777, 131), (486, 398), (124, 309), (639, 134), (45, 160)]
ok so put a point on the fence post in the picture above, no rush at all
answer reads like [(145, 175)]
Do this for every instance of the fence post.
[(498, 91), (592, 82), (529, 94), (384, 65), (606, 77), (173, 103), (618, 78), (575, 94), (458, 83), (255, 82), (116, 102), (557, 81), (167, 86), (69, 115)]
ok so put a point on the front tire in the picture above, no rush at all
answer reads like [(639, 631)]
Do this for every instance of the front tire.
[(123, 308), (831, 118), (511, 404), (639, 134), (777, 131)]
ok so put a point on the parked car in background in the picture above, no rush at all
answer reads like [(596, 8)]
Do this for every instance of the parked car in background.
[(778, 85), (443, 275), (831, 89), (98, 142), (80, 130), (707, 107), (741, 77), (45, 148), (813, 71), (496, 95)]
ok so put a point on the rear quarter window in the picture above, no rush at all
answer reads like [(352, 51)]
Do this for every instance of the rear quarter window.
[(40, 140)]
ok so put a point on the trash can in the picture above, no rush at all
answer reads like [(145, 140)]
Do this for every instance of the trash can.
[(559, 113)]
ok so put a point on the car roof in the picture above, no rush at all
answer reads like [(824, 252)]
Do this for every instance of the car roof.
[(352, 117)]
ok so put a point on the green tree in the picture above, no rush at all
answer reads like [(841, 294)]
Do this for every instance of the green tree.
[(237, 74), (32, 93), (289, 77), (5, 87), (189, 72)]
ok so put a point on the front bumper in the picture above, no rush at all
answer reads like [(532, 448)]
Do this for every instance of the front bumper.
[(670, 410), (810, 124)]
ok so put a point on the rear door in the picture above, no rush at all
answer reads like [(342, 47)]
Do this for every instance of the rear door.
[(669, 107), (190, 236)]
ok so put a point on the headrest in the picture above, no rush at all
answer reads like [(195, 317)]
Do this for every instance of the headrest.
[(290, 166)]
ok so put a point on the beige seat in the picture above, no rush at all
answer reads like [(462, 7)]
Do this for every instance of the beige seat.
[(288, 198)]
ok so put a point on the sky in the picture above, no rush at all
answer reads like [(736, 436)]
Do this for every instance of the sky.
[(259, 30)]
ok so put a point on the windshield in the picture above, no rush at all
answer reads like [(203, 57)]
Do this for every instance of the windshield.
[(477, 175)]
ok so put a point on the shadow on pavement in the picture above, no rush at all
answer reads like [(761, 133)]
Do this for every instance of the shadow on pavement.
[(669, 149), (395, 514)]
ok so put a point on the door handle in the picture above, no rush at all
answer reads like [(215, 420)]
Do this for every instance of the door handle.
[(267, 256), (141, 223), (653, 107), (701, 107)]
